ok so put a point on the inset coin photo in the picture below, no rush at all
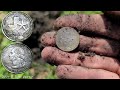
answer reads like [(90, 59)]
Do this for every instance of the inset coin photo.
[(16, 58), (17, 26)]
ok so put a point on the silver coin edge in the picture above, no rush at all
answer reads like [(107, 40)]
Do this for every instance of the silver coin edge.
[(25, 68), (32, 26), (77, 36)]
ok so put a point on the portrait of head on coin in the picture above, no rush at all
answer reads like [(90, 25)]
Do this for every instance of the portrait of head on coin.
[(17, 26), (16, 58)]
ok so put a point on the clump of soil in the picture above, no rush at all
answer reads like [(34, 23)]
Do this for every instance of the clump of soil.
[(43, 22)]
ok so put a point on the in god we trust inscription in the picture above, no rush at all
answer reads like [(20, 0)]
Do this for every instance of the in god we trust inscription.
[(17, 57)]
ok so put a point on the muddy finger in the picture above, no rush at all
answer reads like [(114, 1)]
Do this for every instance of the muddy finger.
[(95, 24), (55, 56), (78, 72), (98, 45)]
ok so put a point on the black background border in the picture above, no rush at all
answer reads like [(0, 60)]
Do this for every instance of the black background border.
[(80, 5), (59, 5)]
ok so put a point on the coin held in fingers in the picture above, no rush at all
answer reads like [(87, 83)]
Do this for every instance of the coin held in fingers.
[(16, 58), (67, 39)]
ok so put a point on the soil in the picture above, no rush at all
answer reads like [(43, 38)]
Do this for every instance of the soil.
[(43, 21)]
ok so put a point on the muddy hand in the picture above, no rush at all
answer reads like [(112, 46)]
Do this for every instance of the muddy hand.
[(99, 36)]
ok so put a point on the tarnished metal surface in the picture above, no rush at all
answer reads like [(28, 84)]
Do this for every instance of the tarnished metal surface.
[(17, 26), (16, 58), (67, 39)]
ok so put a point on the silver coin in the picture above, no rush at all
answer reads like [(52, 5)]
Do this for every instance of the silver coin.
[(16, 58), (17, 26), (67, 39)]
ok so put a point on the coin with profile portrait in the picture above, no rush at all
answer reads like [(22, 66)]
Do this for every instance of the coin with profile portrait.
[(16, 58)]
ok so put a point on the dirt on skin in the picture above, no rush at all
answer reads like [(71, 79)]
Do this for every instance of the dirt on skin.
[(43, 22), (95, 24), (96, 45), (58, 57), (77, 72)]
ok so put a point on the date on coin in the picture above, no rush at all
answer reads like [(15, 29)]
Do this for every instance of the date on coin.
[(67, 39), (16, 58)]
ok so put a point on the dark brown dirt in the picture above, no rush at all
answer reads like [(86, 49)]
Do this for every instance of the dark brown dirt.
[(114, 16), (90, 54), (81, 56), (43, 22)]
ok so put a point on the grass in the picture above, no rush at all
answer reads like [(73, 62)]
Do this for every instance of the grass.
[(79, 12), (38, 70), (4, 74)]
